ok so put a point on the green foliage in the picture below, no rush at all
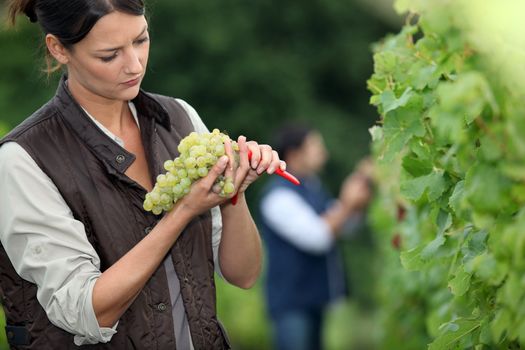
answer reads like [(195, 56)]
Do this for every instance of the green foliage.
[(24, 86), (449, 153), (248, 326), (3, 129), (3, 337)]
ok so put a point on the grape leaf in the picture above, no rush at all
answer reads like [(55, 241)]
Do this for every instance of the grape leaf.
[(486, 189), (416, 166), (488, 269), (460, 284), (411, 259), (376, 132), (389, 101), (457, 196), (431, 248), (399, 127), (501, 322), (448, 339), (432, 184)]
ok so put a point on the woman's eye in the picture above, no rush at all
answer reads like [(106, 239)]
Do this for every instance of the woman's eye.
[(142, 40), (109, 58)]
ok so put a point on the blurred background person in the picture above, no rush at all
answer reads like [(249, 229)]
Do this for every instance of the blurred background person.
[(300, 226)]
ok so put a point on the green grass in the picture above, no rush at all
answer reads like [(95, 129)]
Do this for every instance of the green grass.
[(3, 340), (348, 325), (243, 315)]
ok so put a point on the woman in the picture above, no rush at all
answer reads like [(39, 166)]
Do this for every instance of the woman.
[(81, 262)]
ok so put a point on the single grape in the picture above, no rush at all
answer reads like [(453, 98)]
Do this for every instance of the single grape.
[(185, 183), (201, 161), (228, 187), (177, 190), (190, 162), (169, 164), (219, 151), (193, 174), (202, 171)]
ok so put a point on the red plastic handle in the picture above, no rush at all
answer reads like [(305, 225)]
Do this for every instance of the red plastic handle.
[(284, 174)]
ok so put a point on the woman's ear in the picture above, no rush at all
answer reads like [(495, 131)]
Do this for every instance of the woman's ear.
[(57, 50)]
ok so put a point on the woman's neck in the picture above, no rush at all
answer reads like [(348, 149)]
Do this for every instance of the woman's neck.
[(113, 114)]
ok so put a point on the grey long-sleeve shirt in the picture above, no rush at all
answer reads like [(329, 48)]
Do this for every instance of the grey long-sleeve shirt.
[(48, 247)]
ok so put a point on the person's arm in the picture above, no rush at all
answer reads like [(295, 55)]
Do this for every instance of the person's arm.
[(291, 217), (48, 247), (118, 286), (240, 251)]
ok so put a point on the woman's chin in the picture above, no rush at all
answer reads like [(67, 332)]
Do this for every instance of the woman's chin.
[(130, 93)]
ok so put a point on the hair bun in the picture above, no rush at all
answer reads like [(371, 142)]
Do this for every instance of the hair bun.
[(31, 14), (29, 10)]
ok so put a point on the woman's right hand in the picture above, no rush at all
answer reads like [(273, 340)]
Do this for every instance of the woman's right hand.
[(201, 196)]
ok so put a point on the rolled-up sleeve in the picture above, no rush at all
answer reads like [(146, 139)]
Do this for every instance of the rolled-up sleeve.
[(48, 247)]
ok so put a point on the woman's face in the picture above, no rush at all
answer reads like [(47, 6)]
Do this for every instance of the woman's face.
[(110, 62)]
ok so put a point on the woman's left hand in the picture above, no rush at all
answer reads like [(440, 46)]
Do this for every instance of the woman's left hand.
[(263, 159)]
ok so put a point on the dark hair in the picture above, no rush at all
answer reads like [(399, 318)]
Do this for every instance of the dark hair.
[(70, 20), (290, 136)]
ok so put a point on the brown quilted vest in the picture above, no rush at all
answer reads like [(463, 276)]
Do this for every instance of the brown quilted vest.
[(88, 170)]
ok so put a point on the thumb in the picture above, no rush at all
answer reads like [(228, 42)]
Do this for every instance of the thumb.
[(215, 171)]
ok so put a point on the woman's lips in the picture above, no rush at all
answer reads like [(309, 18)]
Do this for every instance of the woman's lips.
[(132, 82)]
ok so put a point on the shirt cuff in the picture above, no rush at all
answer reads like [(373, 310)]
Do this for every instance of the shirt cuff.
[(105, 336), (96, 334)]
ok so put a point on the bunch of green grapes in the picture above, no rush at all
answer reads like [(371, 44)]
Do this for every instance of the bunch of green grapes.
[(198, 153)]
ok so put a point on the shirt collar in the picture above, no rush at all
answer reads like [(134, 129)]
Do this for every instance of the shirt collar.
[(114, 156), (107, 131)]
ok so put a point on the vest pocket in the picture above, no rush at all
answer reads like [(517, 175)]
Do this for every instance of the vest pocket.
[(17, 335)]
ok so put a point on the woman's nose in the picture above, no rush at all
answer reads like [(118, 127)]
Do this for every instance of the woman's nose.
[(133, 63)]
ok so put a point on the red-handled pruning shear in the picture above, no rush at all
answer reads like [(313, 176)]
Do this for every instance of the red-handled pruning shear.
[(282, 173)]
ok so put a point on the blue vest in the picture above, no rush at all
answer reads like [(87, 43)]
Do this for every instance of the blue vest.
[(295, 279)]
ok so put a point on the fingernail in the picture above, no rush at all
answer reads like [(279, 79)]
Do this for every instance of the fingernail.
[(260, 170), (223, 160), (270, 170)]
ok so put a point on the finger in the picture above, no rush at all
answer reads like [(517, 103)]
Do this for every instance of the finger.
[(230, 169), (215, 171), (243, 152), (251, 176), (244, 166), (274, 164), (256, 154), (266, 158), (216, 188), (282, 166)]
